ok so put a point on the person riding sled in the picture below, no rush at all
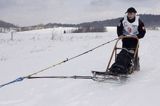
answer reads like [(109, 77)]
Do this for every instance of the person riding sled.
[(130, 25)]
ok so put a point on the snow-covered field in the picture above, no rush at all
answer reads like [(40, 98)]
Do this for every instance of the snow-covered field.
[(34, 50)]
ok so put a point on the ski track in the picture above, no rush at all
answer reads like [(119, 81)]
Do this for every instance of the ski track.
[(34, 50)]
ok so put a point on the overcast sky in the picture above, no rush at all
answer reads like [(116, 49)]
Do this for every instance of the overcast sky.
[(30, 12)]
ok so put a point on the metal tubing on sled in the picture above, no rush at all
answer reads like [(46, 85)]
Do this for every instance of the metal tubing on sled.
[(62, 77), (115, 49)]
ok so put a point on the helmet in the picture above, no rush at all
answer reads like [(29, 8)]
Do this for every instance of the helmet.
[(131, 10)]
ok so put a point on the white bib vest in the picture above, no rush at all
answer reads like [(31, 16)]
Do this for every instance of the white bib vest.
[(130, 28)]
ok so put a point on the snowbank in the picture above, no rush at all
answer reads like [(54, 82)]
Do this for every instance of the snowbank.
[(111, 28)]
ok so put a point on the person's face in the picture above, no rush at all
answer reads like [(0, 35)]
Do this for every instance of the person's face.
[(131, 15)]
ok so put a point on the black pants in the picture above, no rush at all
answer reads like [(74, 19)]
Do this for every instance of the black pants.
[(129, 43)]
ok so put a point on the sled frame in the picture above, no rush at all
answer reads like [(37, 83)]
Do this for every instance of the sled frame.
[(114, 52)]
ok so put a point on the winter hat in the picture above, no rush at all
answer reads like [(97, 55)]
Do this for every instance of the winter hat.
[(131, 10)]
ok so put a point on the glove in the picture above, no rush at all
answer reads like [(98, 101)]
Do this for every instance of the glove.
[(121, 36)]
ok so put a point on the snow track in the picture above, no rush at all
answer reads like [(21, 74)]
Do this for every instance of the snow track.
[(34, 50)]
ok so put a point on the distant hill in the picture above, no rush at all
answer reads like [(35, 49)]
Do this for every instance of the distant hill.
[(148, 19), (151, 20), (6, 24)]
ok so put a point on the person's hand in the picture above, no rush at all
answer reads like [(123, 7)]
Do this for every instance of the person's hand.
[(133, 36), (121, 36)]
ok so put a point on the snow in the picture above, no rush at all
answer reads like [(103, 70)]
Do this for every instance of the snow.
[(31, 51), (110, 28)]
